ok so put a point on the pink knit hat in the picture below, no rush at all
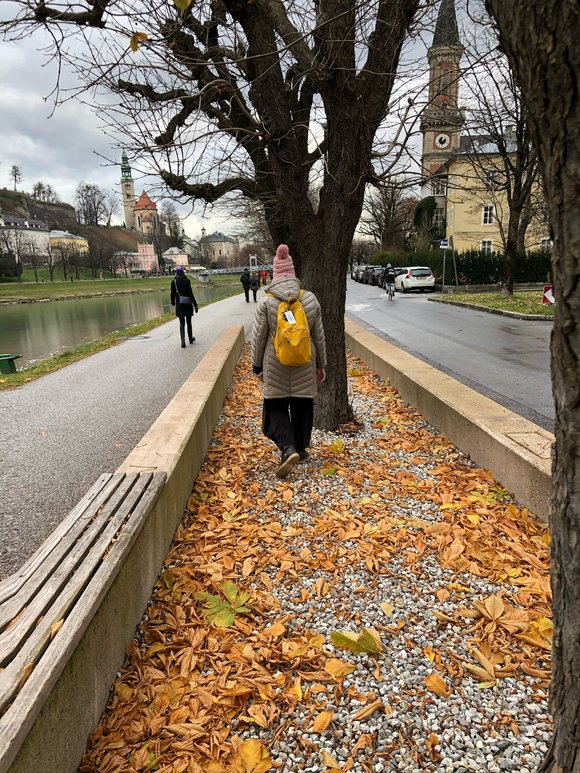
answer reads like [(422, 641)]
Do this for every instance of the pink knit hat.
[(283, 264)]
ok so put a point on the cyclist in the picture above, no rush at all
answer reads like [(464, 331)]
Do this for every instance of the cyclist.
[(389, 278)]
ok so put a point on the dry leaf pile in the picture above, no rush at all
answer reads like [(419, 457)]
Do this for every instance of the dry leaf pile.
[(385, 608)]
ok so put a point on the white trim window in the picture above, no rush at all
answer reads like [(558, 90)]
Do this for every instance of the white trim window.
[(438, 186), (438, 216), (488, 214), (486, 245)]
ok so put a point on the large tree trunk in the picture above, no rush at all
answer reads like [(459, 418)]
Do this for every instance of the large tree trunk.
[(541, 40)]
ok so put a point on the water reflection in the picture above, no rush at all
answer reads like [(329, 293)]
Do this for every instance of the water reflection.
[(37, 330)]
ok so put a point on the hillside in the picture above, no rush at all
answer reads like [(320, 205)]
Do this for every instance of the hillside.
[(59, 215)]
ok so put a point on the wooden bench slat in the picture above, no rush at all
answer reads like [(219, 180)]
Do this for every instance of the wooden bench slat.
[(61, 543), (57, 569), (11, 585), (15, 724)]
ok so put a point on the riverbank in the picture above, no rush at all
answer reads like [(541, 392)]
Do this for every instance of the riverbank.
[(31, 292), (74, 354)]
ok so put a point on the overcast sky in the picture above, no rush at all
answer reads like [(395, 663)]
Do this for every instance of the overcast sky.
[(62, 146)]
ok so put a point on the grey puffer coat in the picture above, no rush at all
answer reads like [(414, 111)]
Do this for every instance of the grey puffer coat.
[(282, 380)]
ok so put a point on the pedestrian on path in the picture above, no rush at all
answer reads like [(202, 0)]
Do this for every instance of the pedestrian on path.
[(246, 282), (288, 391), (183, 299), (255, 285)]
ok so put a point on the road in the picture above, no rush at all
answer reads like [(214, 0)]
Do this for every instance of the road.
[(504, 358), (61, 432)]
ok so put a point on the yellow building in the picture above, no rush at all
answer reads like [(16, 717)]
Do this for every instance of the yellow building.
[(464, 173), (72, 244), (476, 209)]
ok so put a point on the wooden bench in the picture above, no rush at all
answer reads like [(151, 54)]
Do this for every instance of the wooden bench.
[(48, 604)]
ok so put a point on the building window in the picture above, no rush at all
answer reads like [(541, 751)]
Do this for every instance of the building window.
[(438, 186), (438, 216), (488, 214), (491, 181), (486, 245)]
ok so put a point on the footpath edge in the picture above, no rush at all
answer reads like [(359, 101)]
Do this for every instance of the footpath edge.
[(516, 450)]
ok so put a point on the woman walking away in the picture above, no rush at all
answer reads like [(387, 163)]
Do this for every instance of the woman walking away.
[(183, 299), (289, 390)]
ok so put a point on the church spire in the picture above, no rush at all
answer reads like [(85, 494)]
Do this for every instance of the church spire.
[(446, 32)]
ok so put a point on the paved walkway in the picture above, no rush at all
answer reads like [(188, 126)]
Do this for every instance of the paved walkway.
[(61, 432)]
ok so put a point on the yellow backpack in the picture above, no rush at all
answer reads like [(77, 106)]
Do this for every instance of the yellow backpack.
[(292, 339)]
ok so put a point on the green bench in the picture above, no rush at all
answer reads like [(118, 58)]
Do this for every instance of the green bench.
[(7, 362)]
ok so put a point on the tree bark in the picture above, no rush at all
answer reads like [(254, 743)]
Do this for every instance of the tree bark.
[(541, 40)]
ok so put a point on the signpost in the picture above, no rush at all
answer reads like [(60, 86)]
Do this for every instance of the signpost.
[(548, 294), (443, 244)]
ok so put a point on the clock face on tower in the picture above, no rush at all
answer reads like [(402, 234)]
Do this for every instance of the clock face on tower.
[(442, 141)]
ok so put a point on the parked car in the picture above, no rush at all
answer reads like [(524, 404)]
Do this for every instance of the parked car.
[(375, 275), (415, 278), (358, 272)]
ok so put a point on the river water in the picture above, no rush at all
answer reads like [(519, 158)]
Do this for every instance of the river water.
[(38, 330)]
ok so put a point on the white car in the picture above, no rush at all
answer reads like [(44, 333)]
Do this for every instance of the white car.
[(415, 278)]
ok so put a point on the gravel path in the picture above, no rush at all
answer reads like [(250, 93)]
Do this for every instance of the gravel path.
[(389, 534)]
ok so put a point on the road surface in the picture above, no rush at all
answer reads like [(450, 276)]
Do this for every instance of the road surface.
[(504, 358)]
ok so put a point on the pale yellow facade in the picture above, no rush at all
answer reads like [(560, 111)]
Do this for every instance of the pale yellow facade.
[(69, 243), (476, 211)]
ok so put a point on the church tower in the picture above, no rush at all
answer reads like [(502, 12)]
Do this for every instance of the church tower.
[(442, 119), (128, 192)]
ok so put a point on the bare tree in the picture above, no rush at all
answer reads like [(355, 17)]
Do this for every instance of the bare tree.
[(387, 215), (263, 99), (169, 216), (540, 38), (13, 241), (93, 204), (15, 175), (44, 192), (503, 160)]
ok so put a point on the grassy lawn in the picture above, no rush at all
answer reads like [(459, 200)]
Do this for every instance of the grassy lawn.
[(15, 291), (61, 360), (521, 303)]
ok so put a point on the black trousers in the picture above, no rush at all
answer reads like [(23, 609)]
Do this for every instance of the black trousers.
[(247, 294), (182, 320), (288, 421)]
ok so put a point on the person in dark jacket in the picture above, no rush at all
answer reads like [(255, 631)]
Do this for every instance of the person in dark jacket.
[(246, 282), (254, 285), (183, 299)]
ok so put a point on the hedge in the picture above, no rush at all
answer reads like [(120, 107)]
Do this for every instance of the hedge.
[(473, 267)]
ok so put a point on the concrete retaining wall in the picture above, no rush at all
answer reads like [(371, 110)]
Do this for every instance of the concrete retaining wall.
[(175, 444), (517, 451)]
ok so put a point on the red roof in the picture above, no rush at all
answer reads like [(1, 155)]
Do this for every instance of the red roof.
[(144, 202)]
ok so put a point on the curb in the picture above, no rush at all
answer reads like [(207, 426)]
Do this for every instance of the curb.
[(516, 450), (502, 312)]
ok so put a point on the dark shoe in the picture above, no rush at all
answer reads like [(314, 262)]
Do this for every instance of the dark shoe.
[(192, 339), (183, 344), (304, 456), (290, 458)]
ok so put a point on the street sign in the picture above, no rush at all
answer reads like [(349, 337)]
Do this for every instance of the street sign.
[(444, 244), (548, 294)]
